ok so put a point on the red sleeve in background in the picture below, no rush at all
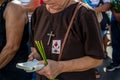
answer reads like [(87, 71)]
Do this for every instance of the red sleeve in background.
[(36, 3), (41, 1)]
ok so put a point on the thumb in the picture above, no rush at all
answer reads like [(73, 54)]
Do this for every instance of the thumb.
[(30, 57)]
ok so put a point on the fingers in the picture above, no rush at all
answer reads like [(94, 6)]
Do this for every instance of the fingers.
[(48, 75), (30, 57), (33, 56), (50, 70), (41, 62)]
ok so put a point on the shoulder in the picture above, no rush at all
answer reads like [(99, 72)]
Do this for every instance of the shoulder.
[(15, 11), (86, 6), (86, 9), (40, 9), (14, 3), (85, 13), (14, 7)]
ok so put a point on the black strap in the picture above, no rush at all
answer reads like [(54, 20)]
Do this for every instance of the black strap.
[(2, 8)]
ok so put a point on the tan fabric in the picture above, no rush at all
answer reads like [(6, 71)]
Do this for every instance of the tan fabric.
[(98, 14)]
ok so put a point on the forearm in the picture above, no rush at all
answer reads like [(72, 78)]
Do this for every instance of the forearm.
[(117, 16), (103, 8), (81, 64), (6, 55)]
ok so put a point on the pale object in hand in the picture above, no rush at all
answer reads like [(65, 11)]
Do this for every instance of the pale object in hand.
[(30, 66)]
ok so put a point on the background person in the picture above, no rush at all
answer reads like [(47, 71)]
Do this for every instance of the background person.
[(115, 35), (13, 40)]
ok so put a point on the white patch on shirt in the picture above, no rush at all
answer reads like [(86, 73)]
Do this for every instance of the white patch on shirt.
[(56, 46)]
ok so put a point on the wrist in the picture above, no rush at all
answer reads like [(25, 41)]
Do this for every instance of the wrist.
[(61, 66)]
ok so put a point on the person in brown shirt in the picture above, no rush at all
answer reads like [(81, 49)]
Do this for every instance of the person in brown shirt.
[(83, 50)]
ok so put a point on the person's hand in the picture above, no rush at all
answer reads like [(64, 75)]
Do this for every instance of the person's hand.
[(33, 56), (51, 70), (117, 15)]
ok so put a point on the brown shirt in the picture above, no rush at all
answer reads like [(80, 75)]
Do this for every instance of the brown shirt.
[(84, 38)]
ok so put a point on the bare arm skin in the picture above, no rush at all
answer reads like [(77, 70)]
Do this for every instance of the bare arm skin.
[(54, 68), (15, 18), (103, 7), (117, 15)]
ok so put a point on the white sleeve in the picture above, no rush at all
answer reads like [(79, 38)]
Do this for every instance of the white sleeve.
[(106, 1), (25, 2)]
